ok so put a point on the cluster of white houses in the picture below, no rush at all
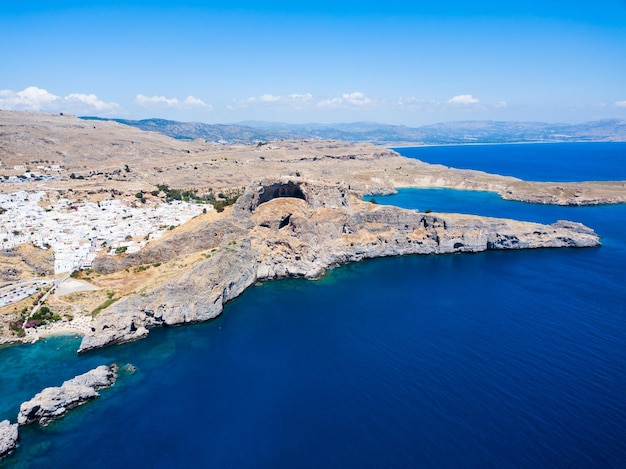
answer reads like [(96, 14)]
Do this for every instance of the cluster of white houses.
[(22, 173), (77, 232)]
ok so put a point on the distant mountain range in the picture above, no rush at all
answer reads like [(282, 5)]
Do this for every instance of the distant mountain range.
[(444, 133)]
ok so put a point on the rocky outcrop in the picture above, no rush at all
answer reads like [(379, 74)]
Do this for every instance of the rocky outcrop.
[(308, 244), (295, 228), (314, 194), (52, 403), (198, 294), (209, 235), (8, 437)]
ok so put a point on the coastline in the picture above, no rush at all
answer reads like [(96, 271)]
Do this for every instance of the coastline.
[(281, 217), (361, 168), (79, 326), (304, 232), (468, 144)]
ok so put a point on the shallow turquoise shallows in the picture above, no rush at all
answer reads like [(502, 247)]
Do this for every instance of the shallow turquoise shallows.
[(498, 359)]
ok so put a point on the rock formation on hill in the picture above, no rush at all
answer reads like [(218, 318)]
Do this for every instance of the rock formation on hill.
[(296, 228)]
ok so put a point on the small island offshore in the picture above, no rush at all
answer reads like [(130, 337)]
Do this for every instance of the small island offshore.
[(109, 231)]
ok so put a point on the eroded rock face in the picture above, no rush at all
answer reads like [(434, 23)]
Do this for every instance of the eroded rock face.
[(54, 402), (300, 229), (314, 194), (198, 294), (8, 437)]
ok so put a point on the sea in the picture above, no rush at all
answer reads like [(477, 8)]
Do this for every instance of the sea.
[(497, 359)]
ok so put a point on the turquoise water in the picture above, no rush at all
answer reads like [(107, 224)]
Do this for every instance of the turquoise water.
[(498, 359)]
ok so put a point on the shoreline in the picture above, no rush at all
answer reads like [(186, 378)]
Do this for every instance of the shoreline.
[(78, 326), (466, 144)]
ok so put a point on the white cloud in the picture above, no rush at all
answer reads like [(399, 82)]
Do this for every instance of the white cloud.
[(29, 99), (162, 101), (410, 102), (148, 101), (620, 103), (356, 99), (334, 102), (417, 104), (302, 101), (464, 99), (91, 101), (500, 104), (294, 100), (192, 101), (268, 98), (38, 99), (302, 98)]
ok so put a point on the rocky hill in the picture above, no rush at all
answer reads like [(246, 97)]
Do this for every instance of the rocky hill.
[(301, 213), (103, 159), (297, 228), (609, 130)]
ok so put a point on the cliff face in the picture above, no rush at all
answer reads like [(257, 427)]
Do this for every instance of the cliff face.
[(52, 403), (295, 228)]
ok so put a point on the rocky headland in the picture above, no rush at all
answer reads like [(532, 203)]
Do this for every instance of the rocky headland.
[(296, 228), (301, 212), (52, 403)]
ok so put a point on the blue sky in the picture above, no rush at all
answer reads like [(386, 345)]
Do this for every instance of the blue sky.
[(324, 61)]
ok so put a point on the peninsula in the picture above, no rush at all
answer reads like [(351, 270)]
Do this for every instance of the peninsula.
[(299, 211)]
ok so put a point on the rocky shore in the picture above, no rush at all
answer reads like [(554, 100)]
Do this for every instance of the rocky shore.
[(52, 403), (296, 228), (8, 437), (287, 225)]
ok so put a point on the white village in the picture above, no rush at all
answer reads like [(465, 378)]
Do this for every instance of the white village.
[(77, 232)]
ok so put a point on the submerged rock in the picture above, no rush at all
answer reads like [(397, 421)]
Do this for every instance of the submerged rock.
[(54, 402), (8, 437)]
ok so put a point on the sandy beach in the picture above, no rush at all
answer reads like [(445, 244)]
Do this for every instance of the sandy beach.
[(79, 325)]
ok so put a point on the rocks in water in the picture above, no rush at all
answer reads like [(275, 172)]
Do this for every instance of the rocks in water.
[(8, 437), (54, 402)]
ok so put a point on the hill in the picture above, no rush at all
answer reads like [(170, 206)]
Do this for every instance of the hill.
[(384, 134)]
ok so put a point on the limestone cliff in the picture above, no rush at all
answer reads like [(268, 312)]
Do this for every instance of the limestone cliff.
[(293, 228), (52, 403)]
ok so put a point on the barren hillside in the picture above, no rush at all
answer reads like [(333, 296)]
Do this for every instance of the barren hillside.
[(101, 158)]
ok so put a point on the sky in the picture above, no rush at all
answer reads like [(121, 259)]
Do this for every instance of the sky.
[(388, 61)]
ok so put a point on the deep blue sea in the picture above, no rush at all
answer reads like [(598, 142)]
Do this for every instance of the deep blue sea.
[(497, 359), (590, 161)]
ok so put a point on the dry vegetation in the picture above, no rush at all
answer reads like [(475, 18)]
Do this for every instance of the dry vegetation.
[(24, 263), (110, 160)]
